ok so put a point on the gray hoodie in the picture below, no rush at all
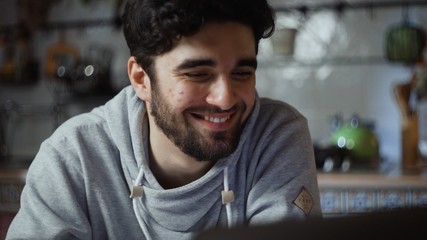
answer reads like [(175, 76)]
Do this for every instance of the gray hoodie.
[(79, 184)]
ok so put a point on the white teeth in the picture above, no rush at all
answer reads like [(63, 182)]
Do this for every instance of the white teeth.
[(216, 120)]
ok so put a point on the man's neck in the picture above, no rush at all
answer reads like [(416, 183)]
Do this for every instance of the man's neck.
[(171, 167)]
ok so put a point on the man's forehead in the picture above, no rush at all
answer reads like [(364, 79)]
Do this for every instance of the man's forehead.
[(226, 43)]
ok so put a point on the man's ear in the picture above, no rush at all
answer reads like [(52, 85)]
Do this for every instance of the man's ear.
[(139, 80)]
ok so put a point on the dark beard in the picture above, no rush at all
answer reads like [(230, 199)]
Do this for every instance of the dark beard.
[(216, 146)]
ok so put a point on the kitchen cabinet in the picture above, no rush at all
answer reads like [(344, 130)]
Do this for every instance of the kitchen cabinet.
[(12, 181)]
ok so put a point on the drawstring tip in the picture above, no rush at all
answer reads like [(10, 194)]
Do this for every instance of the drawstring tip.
[(137, 191), (227, 197)]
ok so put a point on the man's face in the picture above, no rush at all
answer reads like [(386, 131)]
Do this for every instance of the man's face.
[(204, 90)]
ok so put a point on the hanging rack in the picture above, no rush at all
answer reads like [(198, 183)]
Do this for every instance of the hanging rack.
[(74, 24), (341, 6), (345, 5)]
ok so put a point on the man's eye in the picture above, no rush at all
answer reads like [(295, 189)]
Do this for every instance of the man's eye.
[(197, 76), (242, 74)]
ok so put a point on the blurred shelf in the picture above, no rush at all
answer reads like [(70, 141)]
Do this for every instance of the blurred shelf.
[(347, 5), (284, 61)]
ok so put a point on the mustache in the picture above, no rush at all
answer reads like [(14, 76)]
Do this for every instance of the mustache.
[(215, 109)]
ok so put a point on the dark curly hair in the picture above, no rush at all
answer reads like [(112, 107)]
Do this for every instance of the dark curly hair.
[(151, 27)]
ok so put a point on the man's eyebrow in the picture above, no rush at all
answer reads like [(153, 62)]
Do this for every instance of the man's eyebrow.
[(192, 63), (250, 62)]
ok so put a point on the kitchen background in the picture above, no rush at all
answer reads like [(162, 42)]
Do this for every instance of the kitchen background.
[(337, 66), (60, 58)]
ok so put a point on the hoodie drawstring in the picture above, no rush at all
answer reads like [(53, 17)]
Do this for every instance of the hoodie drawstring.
[(137, 192), (227, 198)]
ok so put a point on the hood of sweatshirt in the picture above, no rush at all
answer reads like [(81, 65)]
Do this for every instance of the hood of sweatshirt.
[(198, 201)]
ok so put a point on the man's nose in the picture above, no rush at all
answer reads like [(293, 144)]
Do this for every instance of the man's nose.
[(222, 93)]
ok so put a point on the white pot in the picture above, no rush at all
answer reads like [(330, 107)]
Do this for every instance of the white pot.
[(283, 41)]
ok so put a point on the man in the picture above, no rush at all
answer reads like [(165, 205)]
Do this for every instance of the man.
[(190, 141)]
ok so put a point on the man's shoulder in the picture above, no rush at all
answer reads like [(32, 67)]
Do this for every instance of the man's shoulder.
[(99, 117), (273, 108), (81, 125), (277, 117)]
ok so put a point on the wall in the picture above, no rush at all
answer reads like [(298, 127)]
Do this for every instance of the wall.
[(25, 132), (337, 66)]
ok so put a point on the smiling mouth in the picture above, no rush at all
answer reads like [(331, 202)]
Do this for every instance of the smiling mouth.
[(212, 118), (217, 119)]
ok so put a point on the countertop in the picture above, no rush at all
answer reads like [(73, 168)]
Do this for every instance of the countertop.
[(12, 169), (364, 179), (371, 180)]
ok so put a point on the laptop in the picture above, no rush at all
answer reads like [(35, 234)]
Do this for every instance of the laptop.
[(405, 224)]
